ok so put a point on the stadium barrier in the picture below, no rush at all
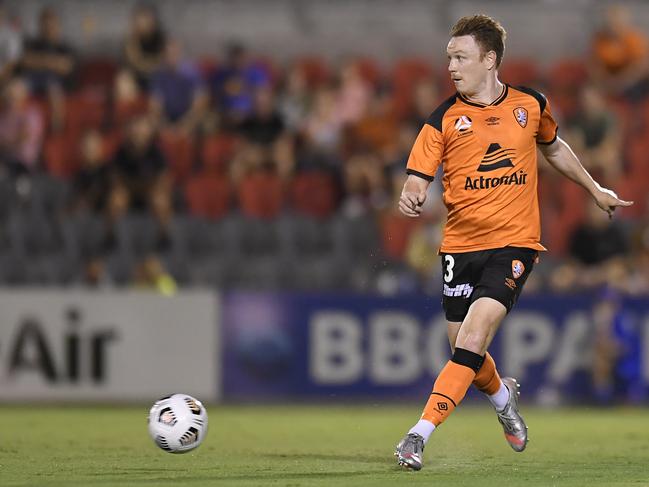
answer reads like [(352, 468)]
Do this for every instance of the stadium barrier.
[(110, 346), (339, 347)]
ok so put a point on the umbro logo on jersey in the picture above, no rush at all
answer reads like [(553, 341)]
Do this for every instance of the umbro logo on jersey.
[(463, 123), (495, 158), (493, 121)]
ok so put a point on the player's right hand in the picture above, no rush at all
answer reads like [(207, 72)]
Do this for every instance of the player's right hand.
[(410, 203)]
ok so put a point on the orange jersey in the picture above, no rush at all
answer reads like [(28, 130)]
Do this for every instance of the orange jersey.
[(488, 157)]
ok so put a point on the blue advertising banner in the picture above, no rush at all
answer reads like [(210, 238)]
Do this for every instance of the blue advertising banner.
[(347, 346)]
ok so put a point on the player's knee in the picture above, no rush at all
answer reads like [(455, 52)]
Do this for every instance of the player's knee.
[(474, 341)]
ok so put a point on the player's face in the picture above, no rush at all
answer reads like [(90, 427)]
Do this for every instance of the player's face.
[(467, 66)]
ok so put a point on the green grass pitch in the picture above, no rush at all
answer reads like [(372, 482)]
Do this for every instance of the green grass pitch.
[(322, 446)]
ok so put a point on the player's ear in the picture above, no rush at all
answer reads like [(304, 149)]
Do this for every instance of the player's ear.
[(490, 58)]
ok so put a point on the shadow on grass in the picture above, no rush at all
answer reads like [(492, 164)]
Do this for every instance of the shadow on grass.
[(193, 478), (337, 457)]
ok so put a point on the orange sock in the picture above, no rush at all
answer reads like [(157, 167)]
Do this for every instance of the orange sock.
[(451, 385), (487, 379)]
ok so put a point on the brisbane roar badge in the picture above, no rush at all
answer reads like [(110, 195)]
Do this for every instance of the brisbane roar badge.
[(520, 114), (517, 268)]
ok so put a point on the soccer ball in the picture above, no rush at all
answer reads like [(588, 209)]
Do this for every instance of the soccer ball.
[(178, 423)]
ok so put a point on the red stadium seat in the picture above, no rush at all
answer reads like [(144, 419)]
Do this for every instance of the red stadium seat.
[(316, 70), (178, 149), (85, 110), (60, 156), (565, 78), (98, 72), (369, 69), (112, 141), (261, 195), (314, 194), (207, 65), (406, 74), (396, 230), (208, 196), (520, 72), (567, 73), (217, 151), (125, 111)]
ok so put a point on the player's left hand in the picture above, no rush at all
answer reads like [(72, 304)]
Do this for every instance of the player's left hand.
[(608, 201)]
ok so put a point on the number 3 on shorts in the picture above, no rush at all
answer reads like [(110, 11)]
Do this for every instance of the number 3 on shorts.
[(450, 262)]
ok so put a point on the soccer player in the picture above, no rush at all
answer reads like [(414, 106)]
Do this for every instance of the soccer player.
[(485, 136)]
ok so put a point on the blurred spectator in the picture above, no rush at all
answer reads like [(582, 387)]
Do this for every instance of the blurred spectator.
[(354, 94), (597, 249), (233, 85), (139, 162), (426, 99), (377, 130), (639, 281), (49, 64), (264, 125), (21, 129), (620, 60), (145, 44), (128, 101), (617, 355), (95, 275), (150, 274), (48, 61), (594, 133), (11, 45), (365, 184), (179, 96), (92, 183), (323, 125), (295, 98), (250, 158), (161, 207)]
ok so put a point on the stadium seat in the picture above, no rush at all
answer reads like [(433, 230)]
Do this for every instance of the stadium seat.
[(217, 151), (208, 196), (86, 109), (565, 78), (369, 69), (60, 156), (140, 235), (50, 195), (97, 72), (84, 235), (356, 239), (33, 233), (314, 193), (125, 111), (178, 149), (316, 70), (567, 73), (520, 72), (111, 143), (261, 195), (308, 238), (207, 66), (396, 230), (406, 74)]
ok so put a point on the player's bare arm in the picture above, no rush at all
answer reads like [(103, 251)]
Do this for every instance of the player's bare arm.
[(413, 196), (563, 159)]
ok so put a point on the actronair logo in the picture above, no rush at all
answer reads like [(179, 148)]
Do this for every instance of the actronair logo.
[(495, 158), (517, 179)]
